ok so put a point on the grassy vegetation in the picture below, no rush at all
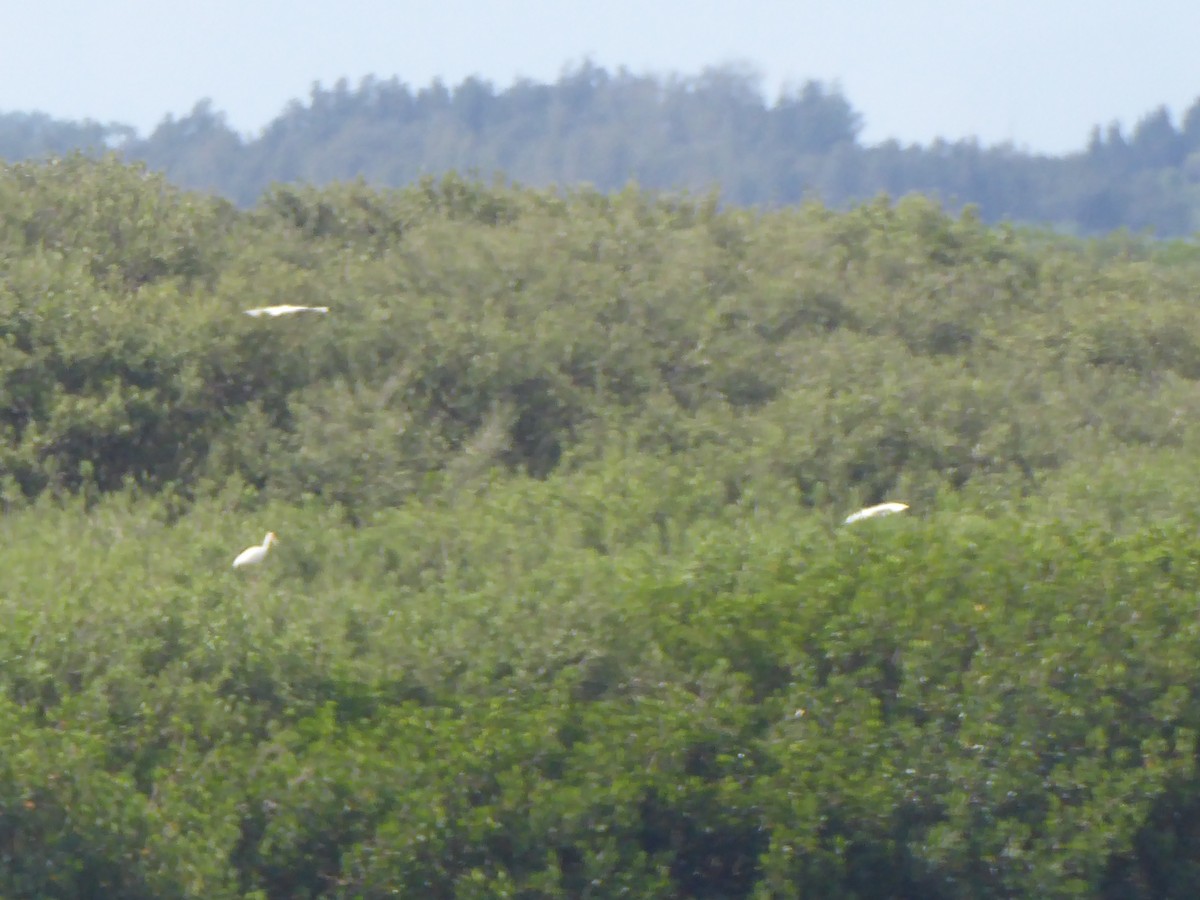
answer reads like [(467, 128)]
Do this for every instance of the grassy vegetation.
[(562, 604)]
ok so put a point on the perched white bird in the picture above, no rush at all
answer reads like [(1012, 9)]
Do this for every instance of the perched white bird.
[(256, 554), (882, 509), (284, 310)]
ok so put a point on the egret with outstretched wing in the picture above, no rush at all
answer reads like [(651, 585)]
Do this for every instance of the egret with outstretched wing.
[(881, 509), (284, 310)]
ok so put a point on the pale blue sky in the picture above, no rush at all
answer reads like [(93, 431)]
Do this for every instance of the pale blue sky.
[(1038, 73)]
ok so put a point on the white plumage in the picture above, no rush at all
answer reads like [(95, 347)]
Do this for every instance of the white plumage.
[(256, 554), (881, 509), (284, 310)]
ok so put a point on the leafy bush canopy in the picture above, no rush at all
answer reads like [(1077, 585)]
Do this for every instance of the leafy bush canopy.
[(561, 605)]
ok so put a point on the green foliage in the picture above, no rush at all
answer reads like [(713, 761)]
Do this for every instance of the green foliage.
[(562, 604), (906, 708)]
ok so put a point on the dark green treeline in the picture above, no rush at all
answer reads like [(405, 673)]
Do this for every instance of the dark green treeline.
[(608, 129)]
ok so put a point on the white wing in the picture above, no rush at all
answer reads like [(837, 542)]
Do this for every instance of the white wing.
[(284, 310), (249, 556), (881, 509)]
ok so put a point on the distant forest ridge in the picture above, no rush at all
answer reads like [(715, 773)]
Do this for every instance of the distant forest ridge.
[(711, 132)]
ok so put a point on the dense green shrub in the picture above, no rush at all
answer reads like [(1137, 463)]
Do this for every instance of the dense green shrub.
[(563, 605), (962, 704), (522, 328)]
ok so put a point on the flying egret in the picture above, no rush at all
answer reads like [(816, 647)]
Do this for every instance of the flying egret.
[(284, 310), (256, 554), (882, 509)]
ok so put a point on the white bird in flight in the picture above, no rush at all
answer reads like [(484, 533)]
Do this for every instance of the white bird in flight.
[(256, 554), (284, 310), (881, 509)]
